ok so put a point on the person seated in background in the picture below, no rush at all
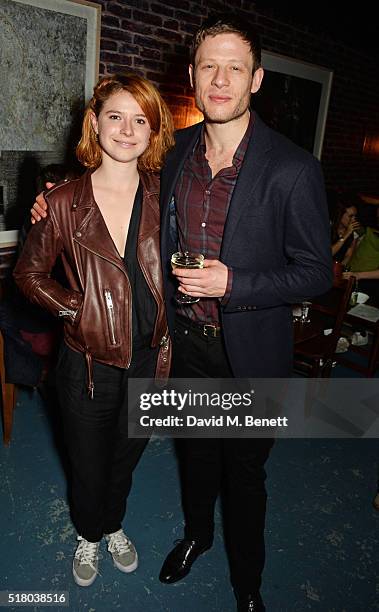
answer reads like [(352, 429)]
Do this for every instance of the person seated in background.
[(31, 334), (344, 231), (364, 262)]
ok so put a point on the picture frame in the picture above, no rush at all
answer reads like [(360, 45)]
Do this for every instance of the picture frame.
[(50, 61), (91, 12), (294, 99)]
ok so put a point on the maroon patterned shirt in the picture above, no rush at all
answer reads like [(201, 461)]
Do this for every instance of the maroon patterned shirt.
[(202, 205)]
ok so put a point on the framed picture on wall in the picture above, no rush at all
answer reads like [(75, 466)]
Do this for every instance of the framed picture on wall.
[(294, 99), (49, 65)]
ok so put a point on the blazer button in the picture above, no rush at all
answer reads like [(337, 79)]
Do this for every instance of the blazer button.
[(78, 234)]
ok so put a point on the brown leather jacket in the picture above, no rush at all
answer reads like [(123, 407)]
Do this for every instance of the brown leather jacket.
[(97, 309)]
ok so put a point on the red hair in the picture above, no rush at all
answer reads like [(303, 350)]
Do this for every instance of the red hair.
[(89, 152)]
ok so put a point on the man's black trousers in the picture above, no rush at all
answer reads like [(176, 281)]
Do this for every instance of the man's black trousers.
[(234, 467)]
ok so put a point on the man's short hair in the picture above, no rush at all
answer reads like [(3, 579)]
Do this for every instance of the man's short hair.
[(227, 23)]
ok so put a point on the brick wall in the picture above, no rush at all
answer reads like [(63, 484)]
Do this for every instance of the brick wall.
[(152, 37)]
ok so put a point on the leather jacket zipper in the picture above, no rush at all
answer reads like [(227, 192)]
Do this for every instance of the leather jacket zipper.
[(62, 312), (110, 315)]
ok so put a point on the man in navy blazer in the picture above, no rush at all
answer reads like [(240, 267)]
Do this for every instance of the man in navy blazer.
[(254, 204)]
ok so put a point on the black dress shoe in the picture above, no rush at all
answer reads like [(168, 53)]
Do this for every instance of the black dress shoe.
[(179, 561), (250, 603)]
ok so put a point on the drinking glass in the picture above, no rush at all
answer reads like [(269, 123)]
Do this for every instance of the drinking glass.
[(354, 294), (296, 312), (305, 308), (190, 261)]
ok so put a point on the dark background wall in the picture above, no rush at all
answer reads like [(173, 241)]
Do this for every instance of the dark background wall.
[(153, 38)]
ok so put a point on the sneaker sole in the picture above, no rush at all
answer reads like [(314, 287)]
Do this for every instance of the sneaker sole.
[(126, 568), (82, 581)]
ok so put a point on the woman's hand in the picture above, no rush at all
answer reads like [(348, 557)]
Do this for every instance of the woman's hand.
[(353, 225)]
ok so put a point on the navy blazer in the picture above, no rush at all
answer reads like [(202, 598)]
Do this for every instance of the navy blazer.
[(276, 239)]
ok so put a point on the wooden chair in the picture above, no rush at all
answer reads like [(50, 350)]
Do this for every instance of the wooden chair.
[(8, 396), (314, 357)]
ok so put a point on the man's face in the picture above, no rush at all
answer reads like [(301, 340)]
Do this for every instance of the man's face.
[(223, 77)]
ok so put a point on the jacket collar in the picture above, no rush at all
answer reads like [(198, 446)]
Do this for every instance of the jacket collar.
[(84, 198), (245, 193), (92, 232), (83, 195), (184, 142)]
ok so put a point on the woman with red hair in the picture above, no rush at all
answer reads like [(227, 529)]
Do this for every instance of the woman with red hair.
[(105, 227)]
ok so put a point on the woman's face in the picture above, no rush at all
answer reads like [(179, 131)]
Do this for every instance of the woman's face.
[(123, 128), (348, 216)]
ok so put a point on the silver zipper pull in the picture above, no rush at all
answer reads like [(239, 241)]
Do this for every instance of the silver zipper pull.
[(108, 299), (91, 389)]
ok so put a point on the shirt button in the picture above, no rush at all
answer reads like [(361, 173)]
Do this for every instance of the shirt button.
[(203, 224)]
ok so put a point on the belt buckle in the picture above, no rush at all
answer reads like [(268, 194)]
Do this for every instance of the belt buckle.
[(210, 330)]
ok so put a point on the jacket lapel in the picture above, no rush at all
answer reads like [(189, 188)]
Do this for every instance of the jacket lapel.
[(245, 192), (87, 235), (175, 162), (92, 224), (256, 159), (148, 234), (185, 141)]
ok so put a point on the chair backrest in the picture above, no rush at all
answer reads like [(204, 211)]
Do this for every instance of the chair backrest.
[(314, 357), (335, 303)]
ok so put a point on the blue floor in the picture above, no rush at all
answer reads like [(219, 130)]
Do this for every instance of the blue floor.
[(321, 528)]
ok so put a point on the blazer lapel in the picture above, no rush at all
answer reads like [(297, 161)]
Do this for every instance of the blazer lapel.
[(169, 177), (175, 162), (245, 192)]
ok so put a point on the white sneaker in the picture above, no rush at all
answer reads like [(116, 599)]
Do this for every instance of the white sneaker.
[(85, 563), (358, 339), (122, 550)]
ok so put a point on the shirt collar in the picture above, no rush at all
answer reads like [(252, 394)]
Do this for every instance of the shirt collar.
[(241, 149)]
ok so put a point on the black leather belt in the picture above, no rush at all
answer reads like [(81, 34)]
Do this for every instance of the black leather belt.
[(211, 330)]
